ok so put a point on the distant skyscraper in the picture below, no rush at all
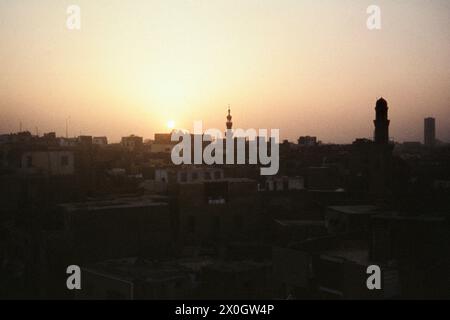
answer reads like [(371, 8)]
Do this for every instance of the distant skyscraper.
[(381, 122), (430, 131), (229, 117)]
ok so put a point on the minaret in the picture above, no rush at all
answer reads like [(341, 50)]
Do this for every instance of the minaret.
[(229, 117), (381, 122)]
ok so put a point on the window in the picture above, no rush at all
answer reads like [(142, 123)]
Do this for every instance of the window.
[(64, 161), (217, 175), (207, 176), (194, 176), (183, 177)]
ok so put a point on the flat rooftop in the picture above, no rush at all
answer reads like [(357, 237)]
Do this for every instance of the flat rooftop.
[(132, 268), (351, 250), (238, 266), (408, 218), (360, 256), (119, 202), (301, 223), (359, 209), (229, 180)]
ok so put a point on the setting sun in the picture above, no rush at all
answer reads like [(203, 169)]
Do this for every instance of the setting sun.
[(171, 124)]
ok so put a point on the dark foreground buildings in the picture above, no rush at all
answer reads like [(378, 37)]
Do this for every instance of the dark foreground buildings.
[(141, 228)]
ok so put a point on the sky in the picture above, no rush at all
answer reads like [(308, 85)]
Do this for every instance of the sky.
[(306, 67)]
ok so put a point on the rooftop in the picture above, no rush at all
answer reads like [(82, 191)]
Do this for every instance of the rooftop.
[(300, 223), (410, 218), (360, 256), (133, 268), (347, 249), (229, 180), (238, 266), (358, 209), (130, 269), (119, 202)]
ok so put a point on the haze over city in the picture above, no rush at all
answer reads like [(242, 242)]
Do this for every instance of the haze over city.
[(305, 67), (225, 157)]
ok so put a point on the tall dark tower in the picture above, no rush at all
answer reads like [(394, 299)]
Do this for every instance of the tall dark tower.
[(381, 122), (430, 131), (229, 117)]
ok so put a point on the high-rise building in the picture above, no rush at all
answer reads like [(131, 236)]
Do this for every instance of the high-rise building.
[(430, 131), (381, 122)]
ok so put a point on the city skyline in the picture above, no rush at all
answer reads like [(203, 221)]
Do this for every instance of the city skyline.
[(225, 157), (303, 67), (171, 127)]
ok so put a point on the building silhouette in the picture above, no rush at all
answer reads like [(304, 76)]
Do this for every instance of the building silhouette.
[(381, 122), (229, 118), (141, 227), (430, 131), (307, 141), (380, 153)]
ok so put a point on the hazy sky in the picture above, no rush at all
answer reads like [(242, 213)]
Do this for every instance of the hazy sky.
[(308, 67)]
